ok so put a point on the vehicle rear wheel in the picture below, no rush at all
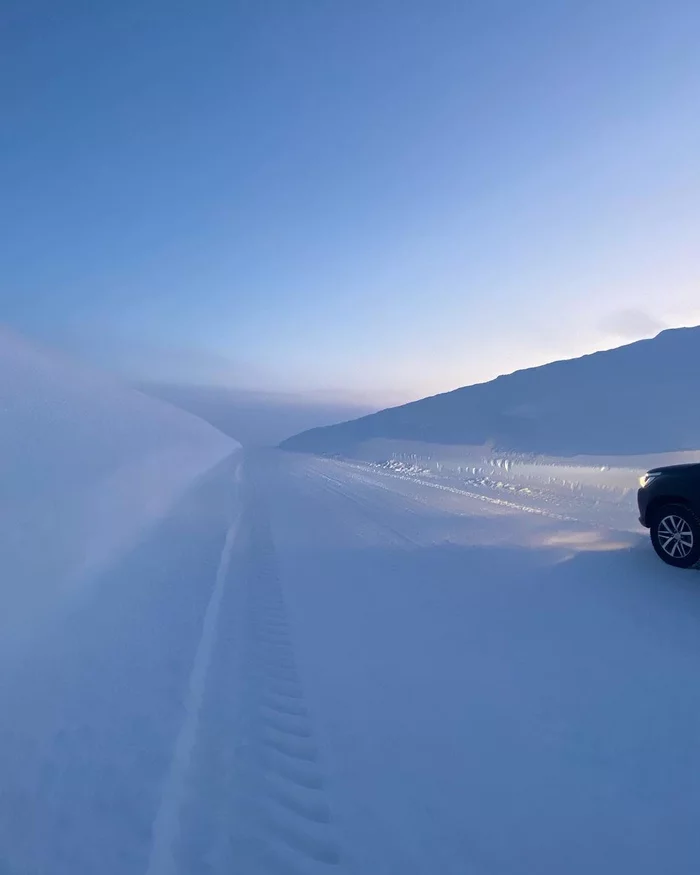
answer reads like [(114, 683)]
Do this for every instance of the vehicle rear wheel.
[(675, 534)]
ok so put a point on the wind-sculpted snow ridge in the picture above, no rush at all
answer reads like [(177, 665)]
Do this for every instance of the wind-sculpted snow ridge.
[(86, 465), (599, 403)]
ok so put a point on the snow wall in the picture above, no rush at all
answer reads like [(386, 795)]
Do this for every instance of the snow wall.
[(86, 467)]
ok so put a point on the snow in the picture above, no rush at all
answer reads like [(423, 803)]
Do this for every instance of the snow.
[(597, 403), (417, 660), (85, 467), (92, 474), (493, 690), (258, 418), (166, 823)]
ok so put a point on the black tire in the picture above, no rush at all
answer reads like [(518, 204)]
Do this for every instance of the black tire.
[(675, 535)]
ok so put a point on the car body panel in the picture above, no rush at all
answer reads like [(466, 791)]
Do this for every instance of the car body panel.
[(674, 484)]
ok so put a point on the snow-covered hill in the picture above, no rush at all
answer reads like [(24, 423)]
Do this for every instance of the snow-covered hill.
[(85, 466), (639, 398)]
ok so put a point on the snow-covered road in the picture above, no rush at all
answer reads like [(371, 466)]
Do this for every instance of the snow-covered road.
[(314, 666)]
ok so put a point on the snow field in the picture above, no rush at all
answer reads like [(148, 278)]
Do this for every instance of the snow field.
[(417, 661)]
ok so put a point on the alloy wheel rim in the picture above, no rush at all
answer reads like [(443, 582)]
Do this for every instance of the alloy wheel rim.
[(675, 536)]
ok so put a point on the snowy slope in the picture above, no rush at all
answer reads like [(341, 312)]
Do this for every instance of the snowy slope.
[(634, 399), (436, 663), (85, 466)]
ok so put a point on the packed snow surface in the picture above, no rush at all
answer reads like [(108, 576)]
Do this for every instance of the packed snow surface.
[(413, 663)]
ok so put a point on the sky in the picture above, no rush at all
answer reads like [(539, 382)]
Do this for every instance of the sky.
[(360, 199)]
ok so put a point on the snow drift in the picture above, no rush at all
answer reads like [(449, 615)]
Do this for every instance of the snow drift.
[(635, 399), (85, 466)]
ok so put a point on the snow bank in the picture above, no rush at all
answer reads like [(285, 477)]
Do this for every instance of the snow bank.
[(598, 403), (600, 489), (86, 466)]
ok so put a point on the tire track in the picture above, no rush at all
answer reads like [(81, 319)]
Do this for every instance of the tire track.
[(368, 509), (162, 860), (363, 473), (294, 818), (255, 796), (371, 479)]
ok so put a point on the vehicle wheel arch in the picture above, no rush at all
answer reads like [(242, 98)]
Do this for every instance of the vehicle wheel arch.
[(659, 502)]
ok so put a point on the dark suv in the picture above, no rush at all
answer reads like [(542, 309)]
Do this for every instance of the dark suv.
[(669, 505)]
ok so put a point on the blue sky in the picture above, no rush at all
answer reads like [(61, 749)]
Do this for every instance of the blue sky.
[(362, 197)]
